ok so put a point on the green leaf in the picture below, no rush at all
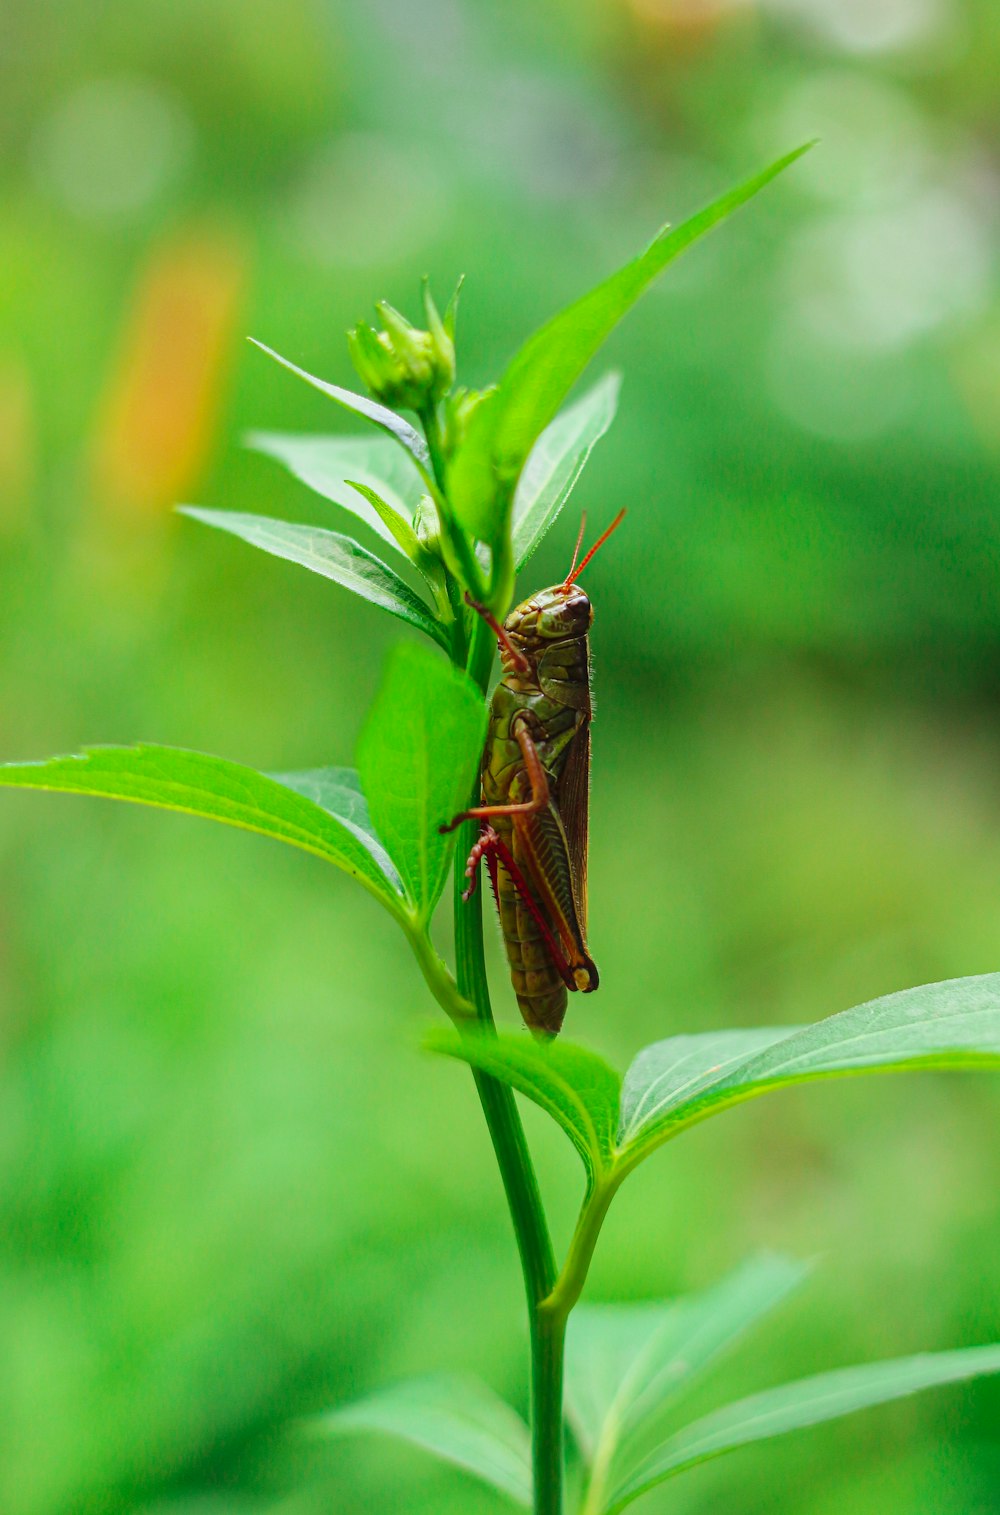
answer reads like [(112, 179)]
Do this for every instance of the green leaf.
[(334, 556), (402, 533), (556, 462), (626, 1364), (506, 425), (546, 368), (477, 497), (809, 1402), (335, 467), (361, 405), (325, 822), (951, 1024), (671, 1073), (457, 1419), (418, 755), (576, 1087), (338, 791)]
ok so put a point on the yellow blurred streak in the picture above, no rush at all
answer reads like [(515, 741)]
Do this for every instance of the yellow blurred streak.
[(684, 21), (18, 442), (162, 404)]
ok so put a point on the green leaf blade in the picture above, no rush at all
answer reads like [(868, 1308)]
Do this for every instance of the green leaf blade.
[(338, 791), (331, 466), (671, 1074), (171, 778), (578, 1089), (626, 1364), (457, 1419), (954, 1024), (398, 527), (418, 756), (796, 1406), (361, 405), (544, 371), (332, 556), (556, 462)]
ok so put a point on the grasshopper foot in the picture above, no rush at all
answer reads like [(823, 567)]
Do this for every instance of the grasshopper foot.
[(485, 847)]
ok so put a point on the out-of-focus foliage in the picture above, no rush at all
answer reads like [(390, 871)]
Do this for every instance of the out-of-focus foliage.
[(796, 803)]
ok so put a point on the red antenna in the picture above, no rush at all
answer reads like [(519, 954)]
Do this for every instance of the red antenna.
[(576, 549), (575, 571)]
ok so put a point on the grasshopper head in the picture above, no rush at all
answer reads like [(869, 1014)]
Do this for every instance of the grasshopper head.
[(552, 614), (563, 611)]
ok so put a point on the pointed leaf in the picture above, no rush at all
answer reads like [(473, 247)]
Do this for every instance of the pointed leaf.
[(173, 779), (573, 1085), (457, 1419), (951, 1024), (503, 430), (546, 368), (418, 756), (334, 467), (361, 405), (626, 1364), (403, 535), (556, 462), (809, 1402), (334, 556)]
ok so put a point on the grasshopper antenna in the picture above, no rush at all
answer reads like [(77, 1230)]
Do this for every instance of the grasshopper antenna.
[(576, 549), (575, 571)]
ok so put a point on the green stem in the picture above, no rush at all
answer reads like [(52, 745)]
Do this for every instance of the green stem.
[(548, 1344), (517, 1173), (460, 557), (569, 1285)]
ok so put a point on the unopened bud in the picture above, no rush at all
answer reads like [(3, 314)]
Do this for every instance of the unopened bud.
[(402, 365)]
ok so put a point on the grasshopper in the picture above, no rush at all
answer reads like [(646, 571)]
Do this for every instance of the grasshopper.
[(535, 785)]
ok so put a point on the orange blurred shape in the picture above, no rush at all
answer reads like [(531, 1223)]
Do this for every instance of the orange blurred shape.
[(684, 21), (18, 442), (161, 408)]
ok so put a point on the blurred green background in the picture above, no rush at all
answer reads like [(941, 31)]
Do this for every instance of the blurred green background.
[(232, 1190)]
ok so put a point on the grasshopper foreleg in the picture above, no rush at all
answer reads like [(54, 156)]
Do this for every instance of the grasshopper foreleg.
[(537, 778)]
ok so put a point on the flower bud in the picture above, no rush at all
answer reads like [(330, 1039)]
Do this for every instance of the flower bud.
[(426, 526), (401, 365)]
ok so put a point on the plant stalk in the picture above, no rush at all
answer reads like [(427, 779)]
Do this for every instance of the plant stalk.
[(547, 1331), (524, 1201)]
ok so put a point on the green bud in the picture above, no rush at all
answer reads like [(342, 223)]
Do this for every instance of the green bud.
[(442, 335), (426, 525), (403, 366)]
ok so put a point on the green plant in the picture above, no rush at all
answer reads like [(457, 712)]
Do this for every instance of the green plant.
[(464, 498)]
